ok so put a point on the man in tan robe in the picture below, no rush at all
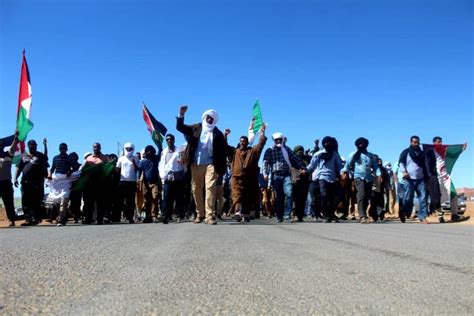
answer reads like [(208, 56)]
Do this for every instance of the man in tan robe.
[(244, 168)]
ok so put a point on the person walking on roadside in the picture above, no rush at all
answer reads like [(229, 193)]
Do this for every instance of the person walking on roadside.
[(413, 169), (244, 169), (127, 167), (206, 155), (326, 165), (277, 163), (6, 186), (172, 176), (61, 169), (362, 167), (33, 168)]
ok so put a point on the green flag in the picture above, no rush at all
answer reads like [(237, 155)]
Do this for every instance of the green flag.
[(257, 117)]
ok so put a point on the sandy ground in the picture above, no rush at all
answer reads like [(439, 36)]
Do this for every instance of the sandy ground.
[(433, 218)]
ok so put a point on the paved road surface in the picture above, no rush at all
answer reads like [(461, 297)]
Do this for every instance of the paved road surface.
[(254, 268)]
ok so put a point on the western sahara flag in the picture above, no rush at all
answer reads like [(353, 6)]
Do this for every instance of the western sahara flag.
[(157, 130), (446, 156), (23, 122), (257, 121)]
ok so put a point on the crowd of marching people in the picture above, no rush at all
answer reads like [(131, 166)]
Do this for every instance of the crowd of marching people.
[(207, 179)]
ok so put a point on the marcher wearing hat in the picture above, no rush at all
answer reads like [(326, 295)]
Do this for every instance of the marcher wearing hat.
[(362, 167), (277, 163), (206, 155), (127, 166), (300, 185)]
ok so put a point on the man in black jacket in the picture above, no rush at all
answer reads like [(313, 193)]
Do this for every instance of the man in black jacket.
[(206, 155)]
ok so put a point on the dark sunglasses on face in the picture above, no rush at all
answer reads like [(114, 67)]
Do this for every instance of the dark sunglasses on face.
[(128, 149)]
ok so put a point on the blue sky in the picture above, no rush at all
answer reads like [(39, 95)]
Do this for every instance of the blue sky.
[(381, 69)]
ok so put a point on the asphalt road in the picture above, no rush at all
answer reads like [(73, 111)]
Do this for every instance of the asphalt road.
[(261, 267)]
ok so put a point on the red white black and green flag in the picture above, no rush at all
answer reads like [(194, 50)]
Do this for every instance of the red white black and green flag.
[(23, 122), (446, 156), (156, 129)]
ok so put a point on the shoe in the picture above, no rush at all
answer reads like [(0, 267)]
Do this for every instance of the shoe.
[(198, 220), (131, 221), (11, 224), (363, 221), (165, 221), (328, 220), (147, 220), (457, 218), (219, 217), (441, 220), (402, 219), (210, 221), (238, 217), (280, 220), (247, 219), (59, 224), (424, 221), (178, 220), (100, 222)]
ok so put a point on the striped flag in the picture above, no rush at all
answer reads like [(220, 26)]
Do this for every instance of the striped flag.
[(23, 123), (446, 156), (156, 129), (257, 122)]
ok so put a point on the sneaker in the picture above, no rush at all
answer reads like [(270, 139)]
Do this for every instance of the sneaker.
[(59, 224), (11, 224), (238, 217), (457, 218), (363, 220)]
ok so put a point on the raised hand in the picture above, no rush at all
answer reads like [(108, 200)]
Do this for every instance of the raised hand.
[(182, 109)]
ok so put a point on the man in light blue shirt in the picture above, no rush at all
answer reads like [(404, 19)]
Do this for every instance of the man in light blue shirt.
[(326, 165), (362, 167)]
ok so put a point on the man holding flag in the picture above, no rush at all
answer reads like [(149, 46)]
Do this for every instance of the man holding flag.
[(440, 160)]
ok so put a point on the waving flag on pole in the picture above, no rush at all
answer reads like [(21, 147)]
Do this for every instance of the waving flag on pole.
[(23, 122), (446, 156), (257, 122), (157, 130)]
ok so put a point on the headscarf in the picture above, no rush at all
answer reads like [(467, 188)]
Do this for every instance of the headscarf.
[(361, 144), (207, 134), (128, 153), (329, 145)]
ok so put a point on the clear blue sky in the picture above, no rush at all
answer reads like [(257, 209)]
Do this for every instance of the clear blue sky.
[(381, 69)]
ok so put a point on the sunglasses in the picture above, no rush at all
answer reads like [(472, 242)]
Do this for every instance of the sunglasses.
[(129, 149)]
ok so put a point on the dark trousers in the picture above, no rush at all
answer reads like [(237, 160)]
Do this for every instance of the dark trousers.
[(327, 198), (363, 195), (376, 209), (434, 193), (94, 195), (315, 199), (300, 193), (31, 199), (127, 191), (173, 193), (6, 192)]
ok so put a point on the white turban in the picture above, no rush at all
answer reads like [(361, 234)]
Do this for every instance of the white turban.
[(207, 134), (277, 135), (211, 113), (128, 153)]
